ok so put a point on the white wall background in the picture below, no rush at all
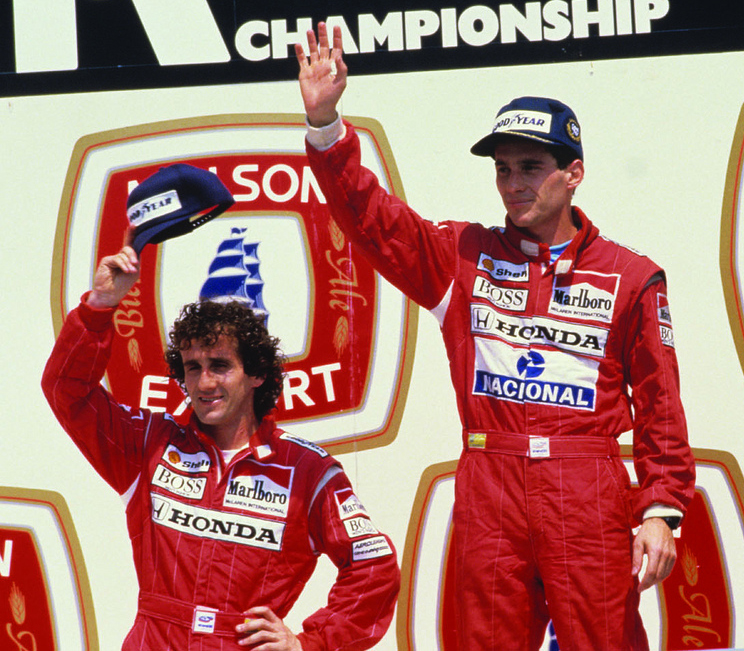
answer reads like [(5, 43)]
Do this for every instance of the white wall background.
[(657, 135)]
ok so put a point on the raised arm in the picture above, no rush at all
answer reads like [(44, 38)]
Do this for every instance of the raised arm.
[(109, 436), (414, 254), (322, 75)]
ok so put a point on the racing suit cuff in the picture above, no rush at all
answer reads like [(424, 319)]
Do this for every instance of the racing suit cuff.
[(94, 319), (323, 138), (661, 511)]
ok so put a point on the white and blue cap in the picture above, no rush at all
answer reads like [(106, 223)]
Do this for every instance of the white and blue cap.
[(174, 201), (540, 119)]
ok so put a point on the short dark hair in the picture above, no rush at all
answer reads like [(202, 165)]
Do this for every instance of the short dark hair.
[(564, 156), (205, 321)]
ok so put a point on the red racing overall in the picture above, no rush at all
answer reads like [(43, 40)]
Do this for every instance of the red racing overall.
[(211, 540), (551, 362)]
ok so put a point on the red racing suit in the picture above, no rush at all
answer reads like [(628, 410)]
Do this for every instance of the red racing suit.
[(211, 540), (550, 362)]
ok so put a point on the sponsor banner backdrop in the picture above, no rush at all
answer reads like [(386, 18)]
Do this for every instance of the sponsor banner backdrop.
[(46, 601), (96, 95), (126, 44), (276, 246)]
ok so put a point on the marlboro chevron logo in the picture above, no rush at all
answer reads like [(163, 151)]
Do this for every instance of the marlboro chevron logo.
[(693, 609), (45, 600), (585, 295), (276, 247)]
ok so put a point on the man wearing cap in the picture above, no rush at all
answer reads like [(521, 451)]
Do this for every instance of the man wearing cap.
[(559, 340), (228, 514)]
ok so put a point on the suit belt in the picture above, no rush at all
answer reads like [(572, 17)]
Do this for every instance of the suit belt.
[(542, 447), (200, 619)]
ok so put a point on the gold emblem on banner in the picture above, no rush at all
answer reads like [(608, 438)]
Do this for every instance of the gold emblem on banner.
[(24, 640)]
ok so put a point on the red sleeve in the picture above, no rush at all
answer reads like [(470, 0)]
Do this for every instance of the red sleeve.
[(661, 453), (109, 435), (362, 599), (414, 254)]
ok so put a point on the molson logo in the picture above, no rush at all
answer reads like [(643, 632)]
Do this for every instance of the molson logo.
[(326, 305), (693, 609), (45, 598)]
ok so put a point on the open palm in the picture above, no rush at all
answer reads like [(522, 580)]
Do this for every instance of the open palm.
[(322, 75)]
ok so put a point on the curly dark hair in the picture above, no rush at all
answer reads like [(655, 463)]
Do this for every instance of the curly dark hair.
[(205, 321)]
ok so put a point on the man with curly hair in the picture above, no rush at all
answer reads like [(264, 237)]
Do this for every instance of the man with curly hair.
[(227, 514), (224, 331)]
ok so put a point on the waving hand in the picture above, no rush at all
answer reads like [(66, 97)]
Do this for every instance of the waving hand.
[(322, 75)]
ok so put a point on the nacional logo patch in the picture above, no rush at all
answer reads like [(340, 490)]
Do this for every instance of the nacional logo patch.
[(585, 295), (573, 130), (204, 620), (277, 248), (528, 376)]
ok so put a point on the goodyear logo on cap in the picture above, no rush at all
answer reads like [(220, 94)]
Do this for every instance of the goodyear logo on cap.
[(523, 121), (154, 207)]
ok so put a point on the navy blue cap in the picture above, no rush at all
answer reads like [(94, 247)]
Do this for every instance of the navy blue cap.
[(174, 201), (537, 118)]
